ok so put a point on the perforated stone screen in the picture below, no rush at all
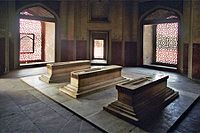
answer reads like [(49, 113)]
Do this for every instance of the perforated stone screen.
[(30, 32), (166, 43)]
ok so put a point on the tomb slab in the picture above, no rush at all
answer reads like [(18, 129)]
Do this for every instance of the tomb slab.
[(60, 71), (141, 98), (90, 80)]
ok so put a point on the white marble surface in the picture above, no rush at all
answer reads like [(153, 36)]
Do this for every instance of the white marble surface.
[(91, 106)]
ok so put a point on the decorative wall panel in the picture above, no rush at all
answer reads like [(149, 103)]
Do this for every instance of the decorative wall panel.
[(99, 10), (81, 49), (130, 53), (67, 50), (116, 53), (195, 61)]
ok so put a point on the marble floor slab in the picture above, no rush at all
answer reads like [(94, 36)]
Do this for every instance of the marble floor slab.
[(90, 107)]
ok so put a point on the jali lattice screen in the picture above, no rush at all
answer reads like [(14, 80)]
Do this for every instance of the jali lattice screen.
[(30, 40), (166, 43)]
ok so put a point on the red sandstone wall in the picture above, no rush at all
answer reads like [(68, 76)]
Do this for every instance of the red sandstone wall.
[(116, 53), (130, 53), (67, 50), (76, 26), (81, 49), (196, 61), (185, 59), (2, 55)]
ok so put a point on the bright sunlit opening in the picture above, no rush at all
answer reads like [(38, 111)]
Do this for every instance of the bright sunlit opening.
[(98, 49)]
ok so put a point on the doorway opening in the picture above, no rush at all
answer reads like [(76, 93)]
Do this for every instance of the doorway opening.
[(99, 47), (37, 36)]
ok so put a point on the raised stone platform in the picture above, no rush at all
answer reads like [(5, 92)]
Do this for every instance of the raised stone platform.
[(60, 71), (93, 79), (90, 107), (140, 98)]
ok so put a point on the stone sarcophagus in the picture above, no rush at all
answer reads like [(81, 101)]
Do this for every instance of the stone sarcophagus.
[(60, 71), (138, 99), (93, 79)]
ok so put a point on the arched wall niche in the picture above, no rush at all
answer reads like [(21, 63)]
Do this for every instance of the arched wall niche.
[(51, 6), (160, 14)]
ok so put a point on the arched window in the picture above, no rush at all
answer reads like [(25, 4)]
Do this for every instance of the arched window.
[(30, 40), (37, 35), (160, 38)]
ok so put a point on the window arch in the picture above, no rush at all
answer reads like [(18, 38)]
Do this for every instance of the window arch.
[(35, 23), (163, 27)]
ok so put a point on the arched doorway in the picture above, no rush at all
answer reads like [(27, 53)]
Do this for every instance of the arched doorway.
[(160, 38), (37, 39)]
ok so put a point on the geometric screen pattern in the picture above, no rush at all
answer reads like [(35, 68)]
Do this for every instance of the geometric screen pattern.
[(30, 40), (27, 41), (166, 43)]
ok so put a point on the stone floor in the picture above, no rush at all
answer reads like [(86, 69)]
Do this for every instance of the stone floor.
[(191, 122), (23, 109), (14, 107)]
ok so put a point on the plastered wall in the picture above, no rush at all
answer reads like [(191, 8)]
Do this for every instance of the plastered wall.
[(76, 27)]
